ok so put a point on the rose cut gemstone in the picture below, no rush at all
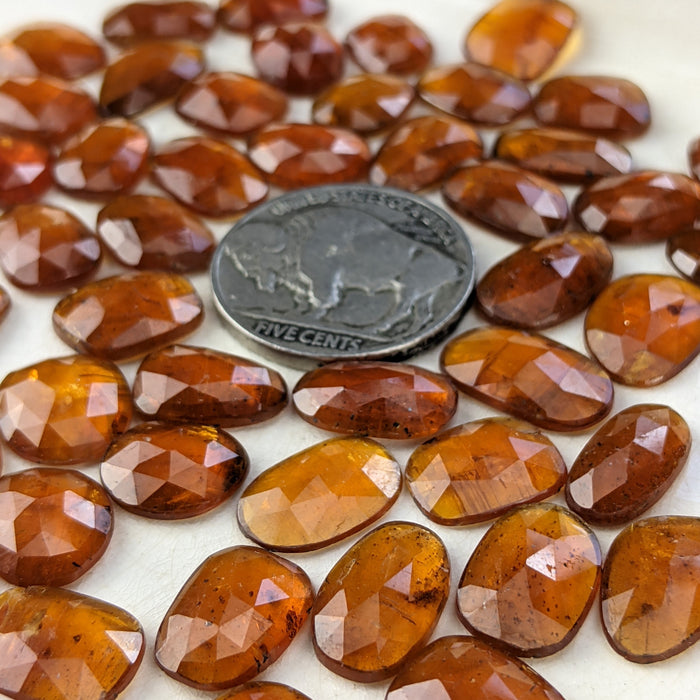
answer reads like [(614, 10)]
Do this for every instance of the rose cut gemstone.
[(683, 250), (248, 15), (257, 690), (15, 62), (25, 174)]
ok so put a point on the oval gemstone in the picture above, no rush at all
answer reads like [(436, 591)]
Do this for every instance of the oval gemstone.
[(644, 329), (236, 615), (531, 580), (693, 155), (125, 316), (649, 590), (15, 62), (173, 472), (199, 385), (64, 411), (459, 667), (683, 250), (480, 470), (507, 199), (55, 642), (25, 174), (57, 524), (628, 464), (248, 15), (545, 282), (320, 495), (381, 601), (521, 37), (380, 399), (530, 377), (256, 690)]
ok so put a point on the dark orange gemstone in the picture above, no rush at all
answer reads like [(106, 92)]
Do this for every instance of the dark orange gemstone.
[(507, 199), (248, 15), (693, 156), (683, 250), (64, 411), (154, 233), (236, 615), (57, 524), (531, 580), (381, 399), (43, 247), (545, 282), (530, 377), (230, 103), (256, 690), (15, 62), (25, 174), (198, 385)]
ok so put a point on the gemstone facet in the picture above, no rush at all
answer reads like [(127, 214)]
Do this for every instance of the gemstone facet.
[(258, 690), (683, 250), (248, 15), (24, 171)]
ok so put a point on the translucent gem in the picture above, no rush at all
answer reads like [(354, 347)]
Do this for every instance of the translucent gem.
[(5, 303), (25, 174), (257, 690), (15, 62), (683, 250), (693, 155), (248, 15)]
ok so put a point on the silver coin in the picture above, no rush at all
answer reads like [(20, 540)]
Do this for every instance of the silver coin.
[(344, 272)]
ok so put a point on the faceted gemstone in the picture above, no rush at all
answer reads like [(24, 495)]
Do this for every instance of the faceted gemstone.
[(5, 303), (545, 282), (531, 580), (521, 37), (248, 15), (320, 495), (172, 472), (301, 59), (145, 21), (628, 464), (103, 160), (236, 615), (65, 410), (381, 399), (60, 50), (422, 151), (208, 176), (640, 207), (56, 525), (56, 644), (303, 155), (474, 93), (154, 233), (530, 377), (125, 316), (389, 44), (566, 156), (15, 62), (603, 105), (507, 199), (693, 153), (25, 174), (683, 250), (459, 667), (230, 103), (644, 329), (381, 601), (190, 384), (363, 103), (650, 605), (256, 690), (480, 470), (147, 75), (43, 247)]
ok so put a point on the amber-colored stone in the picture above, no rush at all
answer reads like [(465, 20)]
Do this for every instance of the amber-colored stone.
[(480, 470), (644, 329), (474, 93), (65, 410), (25, 174), (320, 495), (263, 691), (208, 176), (190, 384), (628, 464), (650, 606), (56, 525), (683, 250), (15, 62), (530, 377), (172, 472), (424, 150), (5, 303), (43, 247), (545, 282), (237, 614), (230, 103), (603, 105), (693, 150), (125, 316), (301, 59), (531, 580), (248, 15), (459, 667), (507, 199), (380, 399), (147, 75), (155, 233)]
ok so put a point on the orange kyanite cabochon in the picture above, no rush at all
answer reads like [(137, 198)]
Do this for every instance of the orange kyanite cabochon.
[(381, 601), (683, 250), (25, 174), (644, 329), (257, 690), (236, 615), (248, 15)]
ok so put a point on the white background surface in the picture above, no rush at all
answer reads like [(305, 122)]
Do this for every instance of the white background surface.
[(651, 42)]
